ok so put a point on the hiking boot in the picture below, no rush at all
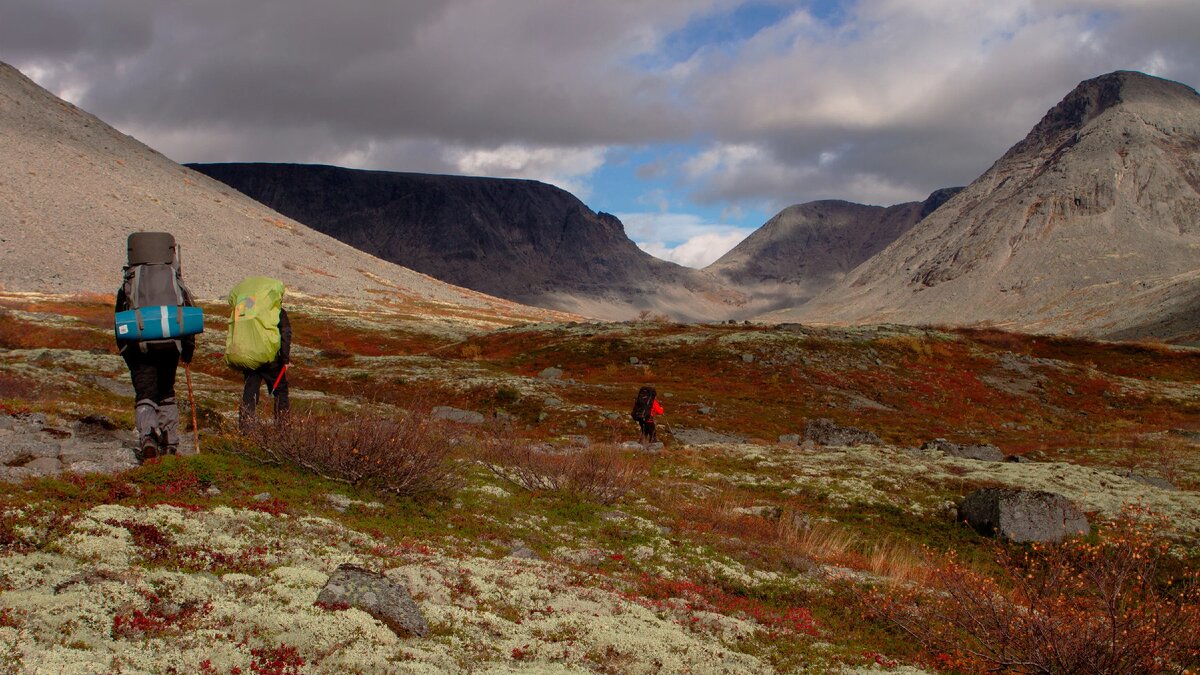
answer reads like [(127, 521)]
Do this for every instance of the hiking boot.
[(149, 449), (171, 450)]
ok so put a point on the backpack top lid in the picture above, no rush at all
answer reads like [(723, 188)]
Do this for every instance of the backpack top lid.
[(150, 248), (268, 291)]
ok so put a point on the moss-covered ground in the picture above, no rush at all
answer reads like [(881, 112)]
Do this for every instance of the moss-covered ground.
[(735, 557)]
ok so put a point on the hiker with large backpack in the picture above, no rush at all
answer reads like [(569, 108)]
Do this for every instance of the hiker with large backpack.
[(156, 324), (259, 344), (645, 407)]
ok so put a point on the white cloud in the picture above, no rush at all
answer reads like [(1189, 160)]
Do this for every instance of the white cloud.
[(565, 167), (699, 251), (683, 238)]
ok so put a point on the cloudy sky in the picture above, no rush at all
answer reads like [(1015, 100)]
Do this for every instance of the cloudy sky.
[(692, 120)]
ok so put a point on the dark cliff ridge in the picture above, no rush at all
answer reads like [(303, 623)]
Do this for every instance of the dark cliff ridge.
[(516, 239)]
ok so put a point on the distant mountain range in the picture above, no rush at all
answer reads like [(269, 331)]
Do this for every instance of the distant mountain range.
[(1087, 226), (537, 244)]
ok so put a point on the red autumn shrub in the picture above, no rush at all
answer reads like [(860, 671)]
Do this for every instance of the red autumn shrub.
[(281, 660), (1121, 604), (406, 455)]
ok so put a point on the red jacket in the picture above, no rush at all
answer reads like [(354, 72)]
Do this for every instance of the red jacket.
[(655, 409)]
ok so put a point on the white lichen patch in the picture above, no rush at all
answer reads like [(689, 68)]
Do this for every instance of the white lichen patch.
[(101, 600), (491, 491), (919, 482), (528, 612)]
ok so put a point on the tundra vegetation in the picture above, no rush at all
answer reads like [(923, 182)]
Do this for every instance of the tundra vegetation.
[(539, 540)]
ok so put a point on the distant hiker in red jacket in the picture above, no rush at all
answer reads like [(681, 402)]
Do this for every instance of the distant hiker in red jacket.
[(649, 434), (645, 407)]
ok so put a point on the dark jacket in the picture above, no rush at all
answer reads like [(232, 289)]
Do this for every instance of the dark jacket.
[(285, 338)]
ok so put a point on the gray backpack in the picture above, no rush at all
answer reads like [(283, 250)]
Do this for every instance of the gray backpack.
[(152, 278)]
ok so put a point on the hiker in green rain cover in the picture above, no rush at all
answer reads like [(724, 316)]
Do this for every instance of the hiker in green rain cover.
[(259, 344), (154, 332)]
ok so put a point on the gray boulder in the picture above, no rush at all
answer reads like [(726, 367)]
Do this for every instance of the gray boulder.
[(824, 431), (375, 594), (1022, 515), (443, 412), (551, 373), (987, 453)]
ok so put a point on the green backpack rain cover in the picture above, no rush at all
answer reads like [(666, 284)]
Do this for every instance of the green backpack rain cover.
[(253, 339)]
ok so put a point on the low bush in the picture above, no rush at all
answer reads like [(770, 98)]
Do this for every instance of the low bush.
[(599, 473), (406, 455), (1121, 604)]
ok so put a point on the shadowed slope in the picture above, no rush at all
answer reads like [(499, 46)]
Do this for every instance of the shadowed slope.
[(517, 239)]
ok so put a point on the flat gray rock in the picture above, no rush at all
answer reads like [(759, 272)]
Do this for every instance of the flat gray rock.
[(1144, 479), (443, 412), (45, 466), (20, 449), (375, 594), (1022, 515)]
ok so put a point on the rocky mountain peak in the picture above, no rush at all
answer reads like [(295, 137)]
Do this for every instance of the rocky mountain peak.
[(1088, 225), (1092, 98)]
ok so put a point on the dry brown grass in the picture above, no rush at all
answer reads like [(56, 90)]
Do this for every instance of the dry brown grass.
[(600, 473), (898, 561), (824, 542)]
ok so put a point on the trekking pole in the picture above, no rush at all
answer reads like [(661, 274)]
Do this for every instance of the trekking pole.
[(187, 368), (279, 378)]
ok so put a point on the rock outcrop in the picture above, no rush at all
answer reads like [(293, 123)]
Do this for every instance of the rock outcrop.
[(31, 446), (1022, 515), (375, 594), (986, 453), (824, 431)]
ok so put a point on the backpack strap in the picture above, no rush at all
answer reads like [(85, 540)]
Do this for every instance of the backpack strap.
[(134, 299), (179, 300)]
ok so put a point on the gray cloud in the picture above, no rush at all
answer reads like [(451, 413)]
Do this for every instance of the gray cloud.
[(911, 96), (472, 71), (900, 99)]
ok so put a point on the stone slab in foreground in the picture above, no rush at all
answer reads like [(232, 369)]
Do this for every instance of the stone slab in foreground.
[(375, 594)]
